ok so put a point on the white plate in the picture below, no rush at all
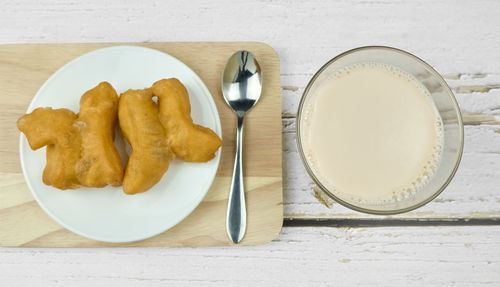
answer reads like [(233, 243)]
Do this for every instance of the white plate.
[(107, 214)]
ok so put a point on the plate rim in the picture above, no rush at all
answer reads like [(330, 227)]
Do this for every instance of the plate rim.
[(196, 202)]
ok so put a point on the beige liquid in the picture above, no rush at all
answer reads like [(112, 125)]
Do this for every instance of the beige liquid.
[(372, 134)]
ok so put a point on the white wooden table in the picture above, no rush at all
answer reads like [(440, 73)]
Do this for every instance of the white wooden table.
[(455, 240)]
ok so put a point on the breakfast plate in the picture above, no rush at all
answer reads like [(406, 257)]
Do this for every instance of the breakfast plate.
[(107, 214)]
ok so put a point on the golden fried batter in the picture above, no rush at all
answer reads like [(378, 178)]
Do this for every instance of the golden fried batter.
[(54, 129), (189, 141), (140, 124), (100, 163), (80, 149)]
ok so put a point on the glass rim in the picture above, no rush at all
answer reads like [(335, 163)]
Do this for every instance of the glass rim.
[(345, 203)]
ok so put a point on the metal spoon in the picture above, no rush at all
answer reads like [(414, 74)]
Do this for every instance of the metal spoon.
[(241, 87)]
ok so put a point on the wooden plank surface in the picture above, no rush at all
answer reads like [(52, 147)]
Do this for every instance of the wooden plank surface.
[(24, 223), (390, 256), (459, 38)]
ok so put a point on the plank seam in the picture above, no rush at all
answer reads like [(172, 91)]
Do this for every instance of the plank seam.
[(408, 222)]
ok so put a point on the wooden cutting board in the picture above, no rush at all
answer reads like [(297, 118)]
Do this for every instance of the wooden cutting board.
[(25, 67)]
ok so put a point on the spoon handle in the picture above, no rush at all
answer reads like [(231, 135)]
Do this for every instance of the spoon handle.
[(236, 221)]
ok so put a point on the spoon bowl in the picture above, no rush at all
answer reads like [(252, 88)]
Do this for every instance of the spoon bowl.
[(242, 81)]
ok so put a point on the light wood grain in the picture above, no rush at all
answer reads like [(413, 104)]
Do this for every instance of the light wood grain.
[(24, 68), (459, 38), (391, 256)]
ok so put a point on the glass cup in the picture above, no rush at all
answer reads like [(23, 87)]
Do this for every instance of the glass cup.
[(444, 101)]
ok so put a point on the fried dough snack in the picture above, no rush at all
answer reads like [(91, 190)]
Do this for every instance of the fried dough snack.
[(100, 163), (80, 149), (187, 140), (140, 124), (54, 129)]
